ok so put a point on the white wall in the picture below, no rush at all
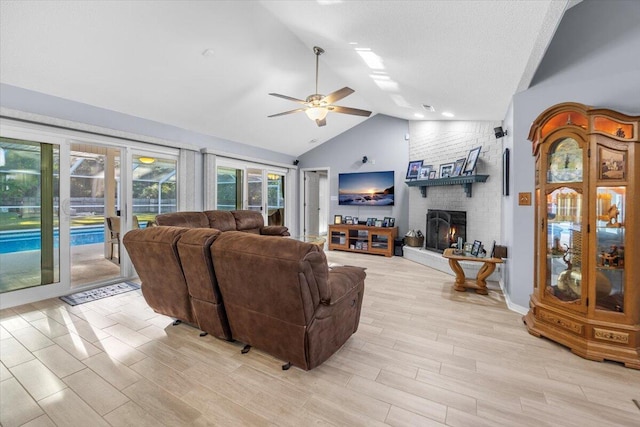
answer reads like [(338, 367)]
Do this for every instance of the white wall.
[(439, 142)]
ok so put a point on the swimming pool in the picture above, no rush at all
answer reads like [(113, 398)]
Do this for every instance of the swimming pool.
[(29, 240)]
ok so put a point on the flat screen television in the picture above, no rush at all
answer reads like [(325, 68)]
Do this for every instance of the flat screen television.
[(366, 188)]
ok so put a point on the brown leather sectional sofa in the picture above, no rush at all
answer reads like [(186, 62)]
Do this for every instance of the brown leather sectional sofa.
[(241, 220), (276, 294)]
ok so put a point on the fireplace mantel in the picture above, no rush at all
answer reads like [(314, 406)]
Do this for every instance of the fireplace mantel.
[(466, 181)]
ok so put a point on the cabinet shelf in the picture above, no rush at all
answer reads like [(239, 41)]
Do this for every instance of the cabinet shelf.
[(362, 238), (607, 268), (466, 181)]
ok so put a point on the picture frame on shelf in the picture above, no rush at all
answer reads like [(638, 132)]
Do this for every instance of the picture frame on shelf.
[(424, 171), (413, 170), (371, 222), (446, 169), (355, 220), (347, 220), (433, 174), (458, 166), (378, 223), (472, 159), (493, 249), (390, 221), (337, 219), (613, 164), (475, 249)]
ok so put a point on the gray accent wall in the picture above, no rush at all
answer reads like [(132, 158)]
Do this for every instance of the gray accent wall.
[(383, 140), (594, 59)]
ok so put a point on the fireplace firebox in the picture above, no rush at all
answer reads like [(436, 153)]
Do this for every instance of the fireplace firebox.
[(443, 228)]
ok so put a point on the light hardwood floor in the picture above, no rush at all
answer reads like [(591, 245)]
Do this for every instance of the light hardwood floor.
[(424, 355)]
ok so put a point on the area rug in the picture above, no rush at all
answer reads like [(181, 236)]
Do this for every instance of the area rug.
[(99, 293)]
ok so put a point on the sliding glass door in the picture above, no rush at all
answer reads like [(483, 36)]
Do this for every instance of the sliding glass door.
[(229, 183), (243, 186), (275, 198), (94, 187), (154, 187), (29, 214), (66, 200), (100, 196), (255, 189)]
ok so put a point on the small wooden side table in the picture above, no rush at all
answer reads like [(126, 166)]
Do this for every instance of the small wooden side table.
[(480, 284)]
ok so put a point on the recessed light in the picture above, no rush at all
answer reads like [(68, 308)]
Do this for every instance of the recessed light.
[(399, 100), (208, 52), (447, 114), (419, 115), (353, 43), (388, 85), (372, 60)]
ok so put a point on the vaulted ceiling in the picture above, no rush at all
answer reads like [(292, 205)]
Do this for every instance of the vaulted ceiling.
[(209, 66)]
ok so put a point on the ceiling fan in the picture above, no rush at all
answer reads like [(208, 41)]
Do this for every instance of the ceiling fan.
[(317, 106)]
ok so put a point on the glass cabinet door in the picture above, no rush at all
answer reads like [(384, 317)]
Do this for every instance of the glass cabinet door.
[(610, 240), (564, 245), (379, 241), (563, 241)]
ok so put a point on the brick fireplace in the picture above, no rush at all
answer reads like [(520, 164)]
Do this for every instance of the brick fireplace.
[(443, 228)]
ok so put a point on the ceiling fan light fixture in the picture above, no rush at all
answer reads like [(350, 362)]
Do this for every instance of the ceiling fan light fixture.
[(317, 106), (316, 113)]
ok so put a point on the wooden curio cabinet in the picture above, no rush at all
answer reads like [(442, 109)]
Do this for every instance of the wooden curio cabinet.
[(587, 234)]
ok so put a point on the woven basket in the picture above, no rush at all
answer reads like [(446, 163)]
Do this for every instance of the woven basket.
[(414, 241)]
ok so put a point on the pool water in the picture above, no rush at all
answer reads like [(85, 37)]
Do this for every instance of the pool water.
[(29, 240)]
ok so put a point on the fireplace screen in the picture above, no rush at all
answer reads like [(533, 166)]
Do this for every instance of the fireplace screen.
[(444, 228)]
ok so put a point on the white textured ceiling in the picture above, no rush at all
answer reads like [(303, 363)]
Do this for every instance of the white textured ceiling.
[(144, 58)]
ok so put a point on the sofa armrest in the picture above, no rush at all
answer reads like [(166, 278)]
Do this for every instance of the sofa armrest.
[(274, 230), (342, 282)]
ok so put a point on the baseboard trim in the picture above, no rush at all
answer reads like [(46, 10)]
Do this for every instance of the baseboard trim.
[(510, 304)]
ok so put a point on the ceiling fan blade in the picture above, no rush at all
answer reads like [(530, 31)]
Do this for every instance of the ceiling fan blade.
[(337, 95), (288, 112), (289, 98), (347, 110), (321, 122)]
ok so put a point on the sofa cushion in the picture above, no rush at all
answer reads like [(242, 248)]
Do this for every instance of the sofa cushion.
[(183, 219), (154, 254), (194, 248), (271, 266), (222, 220), (248, 221)]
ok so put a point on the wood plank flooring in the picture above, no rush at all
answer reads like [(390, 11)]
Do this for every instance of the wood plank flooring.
[(424, 355)]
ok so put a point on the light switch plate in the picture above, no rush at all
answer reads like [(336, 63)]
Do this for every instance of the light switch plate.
[(524, 199)]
